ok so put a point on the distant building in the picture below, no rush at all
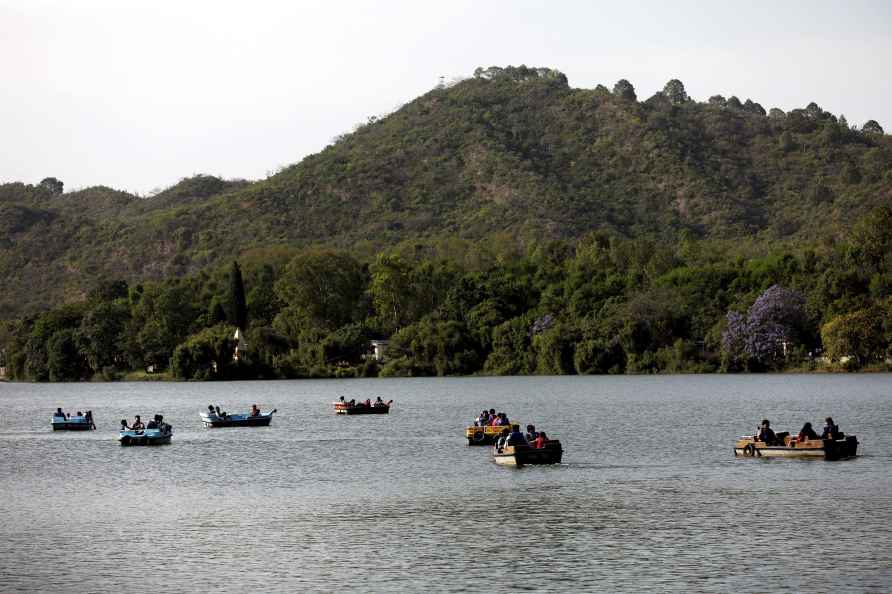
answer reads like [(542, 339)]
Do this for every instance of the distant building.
[(378, 349), (241, 347)]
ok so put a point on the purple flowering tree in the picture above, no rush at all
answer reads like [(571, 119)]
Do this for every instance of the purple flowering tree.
[(760, 338)]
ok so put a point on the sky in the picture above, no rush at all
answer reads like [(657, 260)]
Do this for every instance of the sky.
[(138, 95)]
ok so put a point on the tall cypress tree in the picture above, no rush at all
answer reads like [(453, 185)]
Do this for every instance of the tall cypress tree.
[(238, 309)]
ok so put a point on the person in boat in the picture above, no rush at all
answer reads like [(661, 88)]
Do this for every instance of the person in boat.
[(482, 419), (541, 440), (532, 434), (124, 426), (515, 438), (379, 402), (831, 429), (503, 438), (806, 433), (59, 413), (137, 424), (766, 434), (352, 402), (255, 412), (341, 399), (368, 403), (152, 424), (89, 418)]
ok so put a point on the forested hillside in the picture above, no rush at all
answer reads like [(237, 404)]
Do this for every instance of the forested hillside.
[(512, 151), (504, 224)]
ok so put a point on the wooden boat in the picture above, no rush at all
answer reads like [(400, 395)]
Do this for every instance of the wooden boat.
[(157, 432), (486, 435), (74, 423), (522, 455), (245, 420), (790, 447), (360, 408)]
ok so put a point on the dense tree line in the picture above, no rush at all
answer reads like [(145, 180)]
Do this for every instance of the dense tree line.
[(601, 304)]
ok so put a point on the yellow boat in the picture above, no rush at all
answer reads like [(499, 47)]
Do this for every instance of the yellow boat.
[(486, 435)]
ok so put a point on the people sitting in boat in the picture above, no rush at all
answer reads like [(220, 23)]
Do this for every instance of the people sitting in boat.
[(541, 440), (503, 438), (352, 402), (137, 424), (532, 434), (515, 438), (152, 424), (368, 402), (766, 434), (89, 418), (124, 426), (806, 433), (59, 413), (379, 402), (482, 419), (341, 399), (211, 411)]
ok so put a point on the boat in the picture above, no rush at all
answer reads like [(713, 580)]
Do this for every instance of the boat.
[(239, 420), (78, 422), (360, 408), (157, 432), (486, 435), (787, 446), (523, 455)]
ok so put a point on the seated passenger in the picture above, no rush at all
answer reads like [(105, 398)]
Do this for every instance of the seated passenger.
[(137, 424), (515, 438), (532, 434), (368, 402), (503, 438), (379, 402), (255, 412), (766, 434), (59, 413), (806, 433), (211, 411), (541, 440), (831, 430), (153, 424), (124, 426)]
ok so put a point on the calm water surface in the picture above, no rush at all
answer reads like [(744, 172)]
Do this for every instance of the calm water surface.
[(649, 498)]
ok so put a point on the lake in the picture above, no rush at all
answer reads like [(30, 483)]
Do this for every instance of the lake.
[(649, 497)]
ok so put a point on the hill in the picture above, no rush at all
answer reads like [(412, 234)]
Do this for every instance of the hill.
[(512, 151)]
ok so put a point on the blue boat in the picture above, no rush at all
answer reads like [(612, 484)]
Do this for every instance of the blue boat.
[(156, 432), (78, 422)]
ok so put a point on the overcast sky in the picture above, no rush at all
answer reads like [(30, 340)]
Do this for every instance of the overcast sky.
[(136, 95)]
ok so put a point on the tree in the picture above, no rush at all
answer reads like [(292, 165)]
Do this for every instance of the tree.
[(64, 361), (325, 287), (52, 185), (102, 334), (859, 334), (674, 91), (717, 100), (872, 127), (624, 90), (237, 309), (772, 324), (776, 114), (204, 355)]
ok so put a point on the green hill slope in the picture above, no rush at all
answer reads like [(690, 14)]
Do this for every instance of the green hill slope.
[(512, 151)]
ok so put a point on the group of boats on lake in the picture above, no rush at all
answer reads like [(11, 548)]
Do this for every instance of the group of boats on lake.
[(510, 446)]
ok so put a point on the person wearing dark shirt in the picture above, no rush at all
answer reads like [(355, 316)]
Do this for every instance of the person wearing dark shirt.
[(806, 433), (831, 429), (255, 412), (516, 437), (766, 434), (59, 413), (532, 434), (137, 424)]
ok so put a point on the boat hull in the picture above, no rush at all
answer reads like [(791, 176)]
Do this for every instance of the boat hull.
[(237, 421), (480, 436), (146, 438), (527, 455), (343, 409), (67, 426), (815, 449)]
